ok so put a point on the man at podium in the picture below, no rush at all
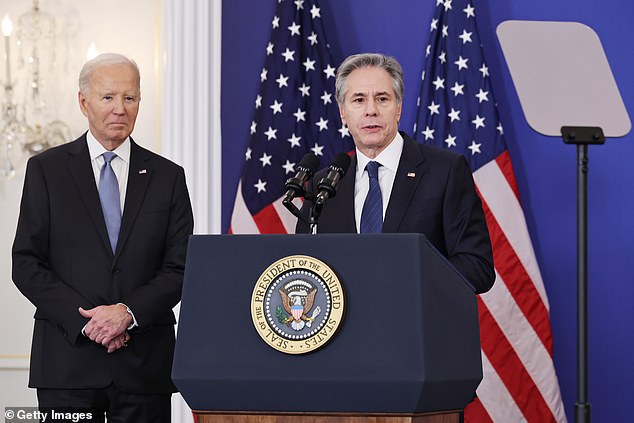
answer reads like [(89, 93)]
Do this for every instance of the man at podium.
[(394, 183)]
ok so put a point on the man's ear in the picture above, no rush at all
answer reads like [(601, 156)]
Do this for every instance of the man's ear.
[(342, 116), (82, 103)]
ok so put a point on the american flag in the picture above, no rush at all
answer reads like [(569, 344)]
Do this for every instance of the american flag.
[(457, 111), (295, 113)]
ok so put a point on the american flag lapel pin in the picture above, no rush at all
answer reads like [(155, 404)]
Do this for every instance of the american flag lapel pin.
[(411, 175), (142, 171)]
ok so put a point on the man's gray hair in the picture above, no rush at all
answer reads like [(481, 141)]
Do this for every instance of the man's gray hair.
[(105, 59), (358, 61)]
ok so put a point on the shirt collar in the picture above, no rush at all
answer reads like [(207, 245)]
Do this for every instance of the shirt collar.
[(95, 149), (388, 158)]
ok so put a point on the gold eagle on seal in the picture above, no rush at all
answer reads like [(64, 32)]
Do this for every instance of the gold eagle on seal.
[(298, 306)]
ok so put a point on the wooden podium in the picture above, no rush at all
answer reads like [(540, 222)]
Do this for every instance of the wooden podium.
[(407, 348), (210, 417)]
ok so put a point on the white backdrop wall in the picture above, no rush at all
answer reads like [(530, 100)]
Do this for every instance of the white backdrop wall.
[(172, 42), (128, 27)]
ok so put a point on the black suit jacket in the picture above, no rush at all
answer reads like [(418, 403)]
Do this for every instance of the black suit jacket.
[(62, 260), (433, 194)]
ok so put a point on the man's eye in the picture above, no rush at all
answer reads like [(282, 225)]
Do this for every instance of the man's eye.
[(107, 97)]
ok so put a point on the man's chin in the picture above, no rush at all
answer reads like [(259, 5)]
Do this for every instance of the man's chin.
[(374, 141), (120, 134), (115, 138), (116, 127)]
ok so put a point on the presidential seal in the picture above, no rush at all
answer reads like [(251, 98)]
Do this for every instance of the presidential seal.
[(297, 304)]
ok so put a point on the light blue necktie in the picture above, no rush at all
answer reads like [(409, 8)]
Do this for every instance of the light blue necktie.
[(372, 214), (110, 199)]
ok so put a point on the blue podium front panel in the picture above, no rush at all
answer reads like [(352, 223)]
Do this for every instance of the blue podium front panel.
[(408, 341)]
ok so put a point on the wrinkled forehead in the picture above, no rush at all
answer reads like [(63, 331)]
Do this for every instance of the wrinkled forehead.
[(119, 77), (369, 81)]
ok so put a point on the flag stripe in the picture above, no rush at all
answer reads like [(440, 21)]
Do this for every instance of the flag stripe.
[(295, 113), (457, 111), (286, 217), (509, 214), (534, 356), (478, 414), (494, 397), (268, 221), (241, 219), (513, 274), (505, 165), (511, 370), (517, 307)]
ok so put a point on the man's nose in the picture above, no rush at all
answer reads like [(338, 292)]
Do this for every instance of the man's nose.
[(118, 106), (371, 108)]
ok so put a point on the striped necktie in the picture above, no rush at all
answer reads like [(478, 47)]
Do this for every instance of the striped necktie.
[(372, 214)]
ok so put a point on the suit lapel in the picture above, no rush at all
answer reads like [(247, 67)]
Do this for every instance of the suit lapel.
[(139, 174), (84, 178), (408, 175), (344, 221)]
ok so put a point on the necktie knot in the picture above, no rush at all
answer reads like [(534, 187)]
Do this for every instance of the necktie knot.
[(373, 169), (108, 156)]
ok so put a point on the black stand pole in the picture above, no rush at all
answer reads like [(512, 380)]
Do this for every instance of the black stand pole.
[(582, 406), (582, 136), (312, 221)]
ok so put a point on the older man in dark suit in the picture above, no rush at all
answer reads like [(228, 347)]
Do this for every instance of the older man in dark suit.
[(100, 251), (397, 185)]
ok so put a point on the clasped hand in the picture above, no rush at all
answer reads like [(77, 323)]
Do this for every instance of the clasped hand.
[(107, 325)]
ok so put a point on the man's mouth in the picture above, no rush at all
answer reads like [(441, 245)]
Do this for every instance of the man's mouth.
[(371, 127)]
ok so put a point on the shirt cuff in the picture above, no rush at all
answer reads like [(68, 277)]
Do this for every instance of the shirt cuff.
[(134, 323)]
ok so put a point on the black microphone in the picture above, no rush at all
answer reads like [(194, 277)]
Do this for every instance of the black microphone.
[(305, 168), (327, 187)]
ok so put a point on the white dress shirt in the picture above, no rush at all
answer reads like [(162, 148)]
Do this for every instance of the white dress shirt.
[(388, 159), (121, 167), (120, 164)]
